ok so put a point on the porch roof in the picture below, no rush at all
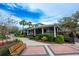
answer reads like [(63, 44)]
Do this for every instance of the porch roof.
[(40, 27)]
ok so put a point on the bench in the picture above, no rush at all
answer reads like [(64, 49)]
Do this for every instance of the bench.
[(17, 49)]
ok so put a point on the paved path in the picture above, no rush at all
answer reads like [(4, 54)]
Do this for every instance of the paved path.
[(36, 48), (32, 42)]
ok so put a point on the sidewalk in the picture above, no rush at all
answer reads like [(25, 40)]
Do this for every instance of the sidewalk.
[(34, 48)]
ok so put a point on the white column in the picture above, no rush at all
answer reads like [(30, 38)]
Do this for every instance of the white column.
[(42, 30), (34, 31), (54, 31), (27, 32), (57, 29)]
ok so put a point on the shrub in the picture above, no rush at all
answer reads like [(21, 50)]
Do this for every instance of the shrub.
[(59, 39), (5, 51), (41, 37), (2, 36), (50, 38), (32, 37), (36, 37), (44, 38), (18, 34)]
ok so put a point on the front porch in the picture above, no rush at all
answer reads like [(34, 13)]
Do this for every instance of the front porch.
[(53, 30)]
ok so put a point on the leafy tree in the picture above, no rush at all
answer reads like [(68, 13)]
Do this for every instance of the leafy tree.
[(76, 17), (68, 23)]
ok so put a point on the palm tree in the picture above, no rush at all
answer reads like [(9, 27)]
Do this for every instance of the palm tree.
[(23, 23), (29, 24)]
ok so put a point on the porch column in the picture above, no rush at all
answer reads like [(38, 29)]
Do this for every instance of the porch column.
[(54, 31), (34, 31), (27, 32), (42, 30), (57, 30)]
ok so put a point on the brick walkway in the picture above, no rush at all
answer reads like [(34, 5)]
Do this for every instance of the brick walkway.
[(35, 51), (56, 49)]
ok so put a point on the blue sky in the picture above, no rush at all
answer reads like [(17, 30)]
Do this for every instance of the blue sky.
[(47, 13)]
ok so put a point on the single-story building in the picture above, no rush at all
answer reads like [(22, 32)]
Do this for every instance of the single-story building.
[(43, 29)]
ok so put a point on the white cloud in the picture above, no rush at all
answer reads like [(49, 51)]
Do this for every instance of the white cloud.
[(49, 11), (12, 5), (50, 20)]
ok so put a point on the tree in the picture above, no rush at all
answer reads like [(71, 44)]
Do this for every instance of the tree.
[(2, 30), (23, 23), (7, 21), (29, 24), (2, 33), (76, 17), (68, 23), (10, 23)]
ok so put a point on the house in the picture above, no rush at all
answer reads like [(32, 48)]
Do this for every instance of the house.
[(43, 29)]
